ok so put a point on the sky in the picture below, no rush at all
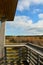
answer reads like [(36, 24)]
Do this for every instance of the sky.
[(28, 19)]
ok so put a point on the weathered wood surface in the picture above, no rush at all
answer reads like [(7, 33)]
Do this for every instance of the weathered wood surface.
[(7, 9), (2, 37)]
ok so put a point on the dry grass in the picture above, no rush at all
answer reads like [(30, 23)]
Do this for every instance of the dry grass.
[(37, 40)]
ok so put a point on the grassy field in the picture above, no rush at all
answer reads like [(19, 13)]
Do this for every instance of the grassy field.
[(37, 40)]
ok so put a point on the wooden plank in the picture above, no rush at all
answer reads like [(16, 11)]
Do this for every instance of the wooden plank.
[(7, 9)]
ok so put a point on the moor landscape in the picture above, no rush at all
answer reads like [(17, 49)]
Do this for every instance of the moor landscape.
[(36, 40)]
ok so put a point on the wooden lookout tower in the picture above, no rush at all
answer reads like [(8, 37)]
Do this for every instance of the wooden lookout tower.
[(7, 13)]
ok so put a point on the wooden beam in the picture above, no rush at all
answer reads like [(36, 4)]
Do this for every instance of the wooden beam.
[(2, 35), (7, 9)]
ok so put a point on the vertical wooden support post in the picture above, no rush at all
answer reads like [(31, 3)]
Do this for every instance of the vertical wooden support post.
[(2, 35), (29, 56), (38, 59), (5, 58)]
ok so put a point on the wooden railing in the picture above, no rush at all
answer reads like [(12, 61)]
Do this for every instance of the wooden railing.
[(15, 55), (34, 58), (34, 54), (26, 54), (1, 61)]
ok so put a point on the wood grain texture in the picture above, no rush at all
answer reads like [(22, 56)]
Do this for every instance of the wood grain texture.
[(7, 9)]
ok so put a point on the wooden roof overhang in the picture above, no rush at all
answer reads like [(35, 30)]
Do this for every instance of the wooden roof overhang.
[(7, 9)]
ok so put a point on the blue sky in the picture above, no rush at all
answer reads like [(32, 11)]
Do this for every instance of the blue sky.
[(28, 19)]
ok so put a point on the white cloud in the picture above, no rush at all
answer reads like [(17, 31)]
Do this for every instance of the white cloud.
[(36, 28), (25, 4), (38, 24), (26, 26), (41, 15), (37, 1), (21, 21)]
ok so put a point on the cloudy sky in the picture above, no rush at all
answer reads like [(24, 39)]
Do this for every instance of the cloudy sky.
[(28, 19)]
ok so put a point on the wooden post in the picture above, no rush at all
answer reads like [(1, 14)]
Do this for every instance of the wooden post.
[(2, 36)]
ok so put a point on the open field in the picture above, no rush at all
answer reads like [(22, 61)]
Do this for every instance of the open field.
[(37, 40)]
